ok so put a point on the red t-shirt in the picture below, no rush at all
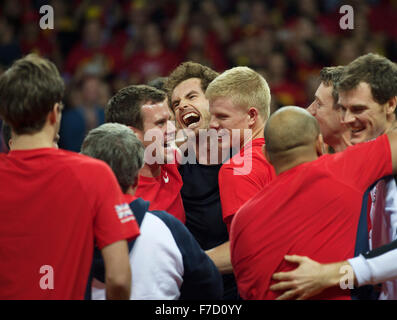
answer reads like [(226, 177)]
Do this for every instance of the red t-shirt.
[(163, 191), (53, 204), (312, 210), (242, 177)]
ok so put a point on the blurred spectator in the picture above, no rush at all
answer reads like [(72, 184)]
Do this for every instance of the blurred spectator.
[(198, 41), (128, 42), (86, 115), (94, 53), (33, 39), (154, 60), (9, 47), (284, 91)]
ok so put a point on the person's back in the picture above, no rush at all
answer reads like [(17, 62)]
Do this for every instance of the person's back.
[(313, 208), (54, 203), (47, 219)]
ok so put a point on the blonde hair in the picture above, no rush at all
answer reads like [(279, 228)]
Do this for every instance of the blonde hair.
[(245, 87)]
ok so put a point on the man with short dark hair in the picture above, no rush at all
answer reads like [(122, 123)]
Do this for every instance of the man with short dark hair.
[(144, 109), (326, 110), (178, 269), (54, 203)]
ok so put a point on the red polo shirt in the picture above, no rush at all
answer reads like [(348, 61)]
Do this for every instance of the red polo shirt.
[(242, 177), (312, 210)]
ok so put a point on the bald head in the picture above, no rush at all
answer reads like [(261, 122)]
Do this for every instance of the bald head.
[(288, 129)]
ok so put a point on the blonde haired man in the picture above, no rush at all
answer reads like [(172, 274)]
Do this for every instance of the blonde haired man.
[(239, 105)]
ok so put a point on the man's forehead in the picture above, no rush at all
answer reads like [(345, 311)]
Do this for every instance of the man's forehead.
[(223, 103), (324, 90), (186, 86), (150, 105), (155, 108), (359, 95)]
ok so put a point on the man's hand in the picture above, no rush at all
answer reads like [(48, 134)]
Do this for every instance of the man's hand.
[(309, 279)]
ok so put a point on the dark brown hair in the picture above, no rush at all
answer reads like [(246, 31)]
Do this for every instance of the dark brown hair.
[(125, 106), (28, 91), (379, 72), (331, 76), (188, 70)]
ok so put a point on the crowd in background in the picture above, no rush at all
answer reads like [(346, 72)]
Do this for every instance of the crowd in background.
[(101, 46)]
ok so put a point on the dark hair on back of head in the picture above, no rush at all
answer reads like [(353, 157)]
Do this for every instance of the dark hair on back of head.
[(29, 90)]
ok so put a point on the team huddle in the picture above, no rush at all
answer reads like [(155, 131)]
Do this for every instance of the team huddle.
[(193, 190)]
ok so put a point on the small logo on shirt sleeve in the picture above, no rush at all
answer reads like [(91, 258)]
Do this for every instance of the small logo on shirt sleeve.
[(124, 213), (165, 177)]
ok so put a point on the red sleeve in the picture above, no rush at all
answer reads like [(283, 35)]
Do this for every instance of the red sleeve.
[(235, 190), (114, 219), (363, 164)]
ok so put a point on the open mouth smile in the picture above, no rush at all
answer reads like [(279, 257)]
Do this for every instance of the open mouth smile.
[(190, 119)]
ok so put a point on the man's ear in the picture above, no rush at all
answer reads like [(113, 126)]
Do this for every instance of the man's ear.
[(54, 113), (253, 116), (320, 145), (391, 105)]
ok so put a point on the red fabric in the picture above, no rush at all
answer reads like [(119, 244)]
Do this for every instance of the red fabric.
[(54, 204), (163, 191), (129, 198), (240, 180), (312, 210)]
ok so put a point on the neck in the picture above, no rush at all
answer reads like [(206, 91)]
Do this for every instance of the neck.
[(292, 158), (131, 191), (390, 126), (341, 142), (150, 171), (258, 132), (38, 140)]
